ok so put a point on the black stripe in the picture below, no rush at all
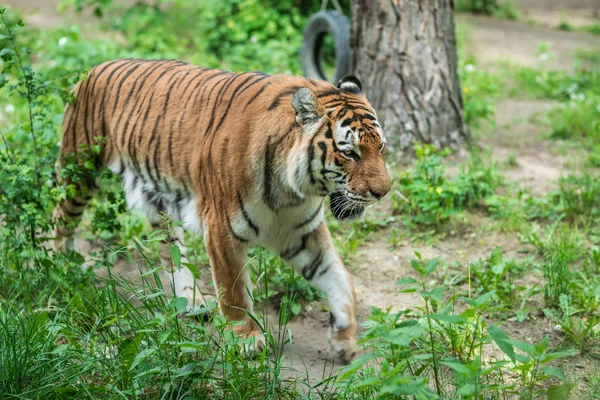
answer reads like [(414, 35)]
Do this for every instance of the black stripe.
[(346, 122), (324, 270), (325, 171), (231, 99), (292, 252), (82, 93), (164, 116), (268, 195), (131, 149), (286, 92), (123, 68), (323, 148), (311, 157), (309, 219), (217, 105), (126, 74), (235, 235), (330, 92), (127, 101), (252, 84), (251, 224), (309, 271), (97, 74), (262, 89)]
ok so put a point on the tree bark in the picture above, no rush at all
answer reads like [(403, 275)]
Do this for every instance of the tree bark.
[(404, 51)]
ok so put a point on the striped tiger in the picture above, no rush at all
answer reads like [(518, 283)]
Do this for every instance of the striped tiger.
[(243, 159)]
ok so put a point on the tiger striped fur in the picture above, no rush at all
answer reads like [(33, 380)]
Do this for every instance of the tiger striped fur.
[(244, 159)]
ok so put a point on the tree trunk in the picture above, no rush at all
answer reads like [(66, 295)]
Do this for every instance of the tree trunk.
[(404, 51)]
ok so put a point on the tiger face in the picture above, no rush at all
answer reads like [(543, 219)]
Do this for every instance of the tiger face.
[(346, 147)]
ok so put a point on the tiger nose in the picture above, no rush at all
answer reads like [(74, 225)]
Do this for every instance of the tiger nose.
[(378, 193)]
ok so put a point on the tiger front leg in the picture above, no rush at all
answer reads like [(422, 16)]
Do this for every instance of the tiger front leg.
[(228, 255), (317, 260)]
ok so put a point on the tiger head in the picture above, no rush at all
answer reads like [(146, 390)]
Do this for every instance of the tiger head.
[(346, 146)]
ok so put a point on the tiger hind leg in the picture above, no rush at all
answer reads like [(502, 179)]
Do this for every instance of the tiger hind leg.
[(68, 212)]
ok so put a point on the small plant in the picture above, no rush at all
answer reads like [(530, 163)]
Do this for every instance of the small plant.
[(581, 331), (427, 198), (498, 275), (577, 119), (477, 6), (507, 9), (579, 196), (560, 249), (565, 26), (279, 283), (502, 8)]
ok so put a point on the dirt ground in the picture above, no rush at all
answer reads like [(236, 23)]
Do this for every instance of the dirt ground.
[(376, 266)]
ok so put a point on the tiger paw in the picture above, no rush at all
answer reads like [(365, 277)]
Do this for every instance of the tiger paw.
[(343, 343), (254, 343)]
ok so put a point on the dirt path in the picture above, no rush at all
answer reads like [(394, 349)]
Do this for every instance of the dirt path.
[(497, 40), (552, 12)]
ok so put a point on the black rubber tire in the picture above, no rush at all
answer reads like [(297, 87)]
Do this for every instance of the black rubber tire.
[(336, 24)]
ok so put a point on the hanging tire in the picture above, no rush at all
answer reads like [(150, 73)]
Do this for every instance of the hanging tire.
[(336, 24)]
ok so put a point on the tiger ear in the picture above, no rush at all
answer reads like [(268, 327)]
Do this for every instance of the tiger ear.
[(350, 83), (307, 107)]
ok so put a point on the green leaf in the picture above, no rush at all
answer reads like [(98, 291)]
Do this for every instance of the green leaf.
[(527, 348), (548, 370), (561, 392), (140, 357), (484, 298), (175, 255), (192, 269), (409, 290), (404, 334), (407, 281), (150, 272), (453, 319), (503, 341), (467, 390), (181, 304), (457, 366), (190, 347), (371, 381), (469, 313), (431, 266), (296, 308)]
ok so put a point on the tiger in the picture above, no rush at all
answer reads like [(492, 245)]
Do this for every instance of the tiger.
[(241, 159)]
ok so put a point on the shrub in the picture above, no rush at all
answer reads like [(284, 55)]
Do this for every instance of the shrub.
[(428, 198)]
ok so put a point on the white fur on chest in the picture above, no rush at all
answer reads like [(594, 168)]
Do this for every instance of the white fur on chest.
[(277, 230)]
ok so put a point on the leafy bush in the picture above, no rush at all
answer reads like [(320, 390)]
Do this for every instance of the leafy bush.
[(428, 198), (503, 8), (434, 353), (577, 119)]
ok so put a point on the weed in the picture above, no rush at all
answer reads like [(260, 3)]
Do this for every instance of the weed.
[(565, 26), (498, 275), (578, 118), (427, 198), (499, 8), (579, 196)]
